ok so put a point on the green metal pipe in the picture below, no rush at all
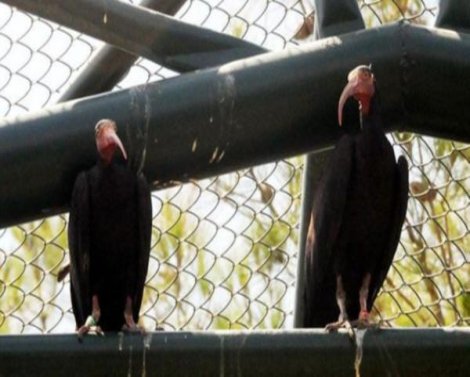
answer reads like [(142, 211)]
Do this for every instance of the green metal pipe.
[(405, 353), (110, 65), (244, 113), (174, 44), (331, 18), (454, 14), (337, 17)]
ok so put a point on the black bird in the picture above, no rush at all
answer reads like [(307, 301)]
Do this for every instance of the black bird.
[(358, 211), (109, 239)]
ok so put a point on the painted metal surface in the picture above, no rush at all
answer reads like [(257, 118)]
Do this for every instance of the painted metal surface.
[(405, 353)]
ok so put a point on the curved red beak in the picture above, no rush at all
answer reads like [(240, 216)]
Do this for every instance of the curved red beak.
[(107, 139), (360, 86)]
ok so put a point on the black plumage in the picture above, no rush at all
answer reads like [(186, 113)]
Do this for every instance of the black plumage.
[(358, 212), (109, 239)]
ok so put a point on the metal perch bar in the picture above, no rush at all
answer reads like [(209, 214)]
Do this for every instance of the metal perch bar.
[(143, 32), (405, 353), (241, 114)]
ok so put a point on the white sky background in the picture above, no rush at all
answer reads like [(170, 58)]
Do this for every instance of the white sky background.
[(39, 60)]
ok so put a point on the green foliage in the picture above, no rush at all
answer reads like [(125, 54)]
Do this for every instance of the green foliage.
[(382, 12), (429, 279), (224, 262), (28, 275)]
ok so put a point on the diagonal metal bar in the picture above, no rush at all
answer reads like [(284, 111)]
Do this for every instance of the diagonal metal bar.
[(110, 65), (241, 114), (454, 14), (331, 18), (337, 17), (143, 32)]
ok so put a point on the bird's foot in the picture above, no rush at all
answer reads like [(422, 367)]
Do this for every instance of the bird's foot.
[(335, 326), (89, 329), (340, 324), (131, 327), (91, 325), (364, 322)]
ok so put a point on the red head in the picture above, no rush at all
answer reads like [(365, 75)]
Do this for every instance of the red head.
[(361, 86), (107, 140)]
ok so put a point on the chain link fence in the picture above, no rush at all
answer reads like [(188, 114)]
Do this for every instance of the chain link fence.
[(224, 250)]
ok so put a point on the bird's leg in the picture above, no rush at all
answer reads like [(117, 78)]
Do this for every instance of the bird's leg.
[(91, 323), (363, 293), (343, 315), (130, 324), (363, 319)]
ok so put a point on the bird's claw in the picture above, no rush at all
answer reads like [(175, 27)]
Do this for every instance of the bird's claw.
[(341, 324), (335, 326), (85, 329), (91, 323), (363, 323), (131, 327)]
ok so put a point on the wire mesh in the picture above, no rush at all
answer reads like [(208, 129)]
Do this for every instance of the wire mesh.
[(224, 250)]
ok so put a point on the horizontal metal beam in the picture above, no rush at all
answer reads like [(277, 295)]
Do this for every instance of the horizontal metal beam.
[(110, 64), (172, 43), (241, 114), (405, 353)]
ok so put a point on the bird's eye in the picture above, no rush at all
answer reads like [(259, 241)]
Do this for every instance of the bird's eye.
[(365, 74)]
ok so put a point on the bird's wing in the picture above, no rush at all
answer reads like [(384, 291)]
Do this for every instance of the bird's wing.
[(144, 219), (396, 222), (79, 247), (327, 214)]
